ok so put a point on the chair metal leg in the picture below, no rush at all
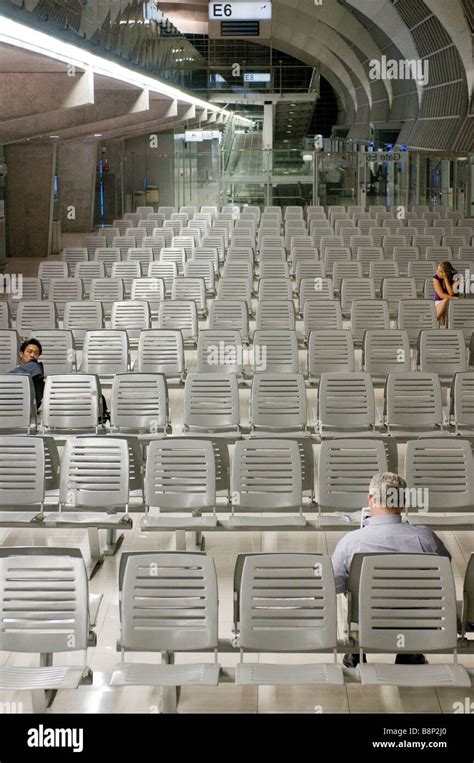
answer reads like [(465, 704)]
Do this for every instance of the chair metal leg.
[(112, 543), (96, 556), (180, 540), (169, 694), (46, 660), (38, 701)]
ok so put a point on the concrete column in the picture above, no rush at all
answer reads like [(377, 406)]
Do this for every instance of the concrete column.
[(145, 159), (77, 161), (29, 198)]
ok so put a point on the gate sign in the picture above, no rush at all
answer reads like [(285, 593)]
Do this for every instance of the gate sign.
[(391, 156), (237, 11)]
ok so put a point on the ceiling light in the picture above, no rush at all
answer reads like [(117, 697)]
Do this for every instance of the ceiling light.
[(97, 135), (54, 136)]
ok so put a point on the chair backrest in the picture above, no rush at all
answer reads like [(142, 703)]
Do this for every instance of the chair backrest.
[(386, 351), (71, 402), (266, 475), (161, 351), (220, 351), (347, 270), (346, 402), (32, 316), (287, 603), (413, 401), (186, 288), (179, 314), (180, 474), (201, 269), (177, 595), (442, 352), (107, 291), (414, 315), (321, 314), (62, 290), (368, 314), (393, 600), (345, 469), (211, 402), (49, 270), (49, 581), (87, 271), (462, 400), (79, 317), (330, 350), (58, 356), (278, 402), (17, 403), (275, 351), (9, 346), (22, 472), (5, 315), (235, 288), (229, 315), (139, 403), (275, 288), (440, 475), (127, 271), (167, 271), (132, 316), (355, 288), (273, 314), (105, 353), (384, 269), (95, 473), (461, 316), (468, 606), (396, 289), (151, 290)]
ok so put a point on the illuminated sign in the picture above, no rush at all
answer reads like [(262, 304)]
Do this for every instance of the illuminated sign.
[(257, 77), (240, 11)]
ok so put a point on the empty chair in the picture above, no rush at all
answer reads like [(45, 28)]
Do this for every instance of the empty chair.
[(182, 315), (385, 352), (62, 290), (275, 288), (276, 315), (412, 404), (347, 270), (58, 355), (396, 289), (201, 269), (345, 469), (423, 243), (315, 289), (161, 351), (330, 351), (321, 314), (155, 242), (107, 291), (275, 351), (297, 613), (368, 254), (233, 314), (354, 289), (174, 254), (269, 269), (44, 601), (32, 316), (151, 290), (421, 270), (20, 287), (443, 353), (380, 270), (124, 243), (24, 478), (9, 346), (368, 314), (87, 271), (211, 403), (5, 317), (414, 315), (137, 234), (167, 271), (139, 404), (378, 234), (309, 270), (72, 255), (359, 241), (425, 629), (17, 403), (346, 403), (278, 403), (461, 411), (127, 272), (185, 243), (207, 254), (142, 255), (105, 353), (71, 403), (238, 268), (194, 289), (392, 241), (132, 316), (335, 254), (220, 351), (83, 316), (107, 257), (461, 316), (108, 233)]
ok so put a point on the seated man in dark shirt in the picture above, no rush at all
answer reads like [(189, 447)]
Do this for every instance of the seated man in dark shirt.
[(30, 351)]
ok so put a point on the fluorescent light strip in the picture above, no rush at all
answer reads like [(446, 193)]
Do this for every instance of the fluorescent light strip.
[(21, 36)]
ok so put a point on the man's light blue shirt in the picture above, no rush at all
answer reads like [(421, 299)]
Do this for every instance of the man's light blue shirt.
[(383, 534)]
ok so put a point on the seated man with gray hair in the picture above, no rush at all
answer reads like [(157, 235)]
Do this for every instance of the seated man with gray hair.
[(383, 532)]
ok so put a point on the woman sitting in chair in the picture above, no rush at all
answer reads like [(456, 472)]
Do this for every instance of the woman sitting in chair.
[(445, 282)]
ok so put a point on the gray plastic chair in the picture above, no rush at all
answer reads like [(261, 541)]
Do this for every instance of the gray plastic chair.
[(83, 316), (235, 289), (127, 272), (461, 316), (62, 290), (184, 586), (9, 346), (107, 256), (105, 353), (287, 604), (345, 403), (191, 289), (59, 354), (333, 254), (345, 468), (107, 291), (220, 351), (273, 314), (275, 352), (269, 269), (393, 602), (266, 477), (139, 404), (420, 270), (368, 254), (71, 403), (385, 352), (321, 314), (132, 316), (413, 404), (49, 270), (368, 314), (353, 289), (5, 316), (29, 289), (310, 270), (154, 242), (403, 255), (461, 412), (396, 289), (161, 351), (180, 477), (124, 243), (347, 270), (275, 288), (167, 271), (182, 315), (141, 254), (467, 622), (443, 353), (330, 351), (151, 290), (174, 254), (278, 403), (22, 479), (415, 315), (72, 255), (311, 289), (32, 316), (33, 581), (17, 403), (207, 254), (211, 403), (380, 270), (201, 270), (87, 271), (230, 315)]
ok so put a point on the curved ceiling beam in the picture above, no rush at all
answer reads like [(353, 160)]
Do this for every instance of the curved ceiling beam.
[(451, 17)]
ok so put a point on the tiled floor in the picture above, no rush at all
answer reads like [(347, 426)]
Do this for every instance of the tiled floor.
[(227, 698)]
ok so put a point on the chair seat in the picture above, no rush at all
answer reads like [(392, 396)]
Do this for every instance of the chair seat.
[(136, 674), (414, 675), (266, 522), (87, 519), (163, 522), (263, 674), (26, 678), (457, 521), (13, 518), (95, 600)]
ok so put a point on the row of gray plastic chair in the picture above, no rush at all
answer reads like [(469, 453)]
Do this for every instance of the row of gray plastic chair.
[(283, 603)]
